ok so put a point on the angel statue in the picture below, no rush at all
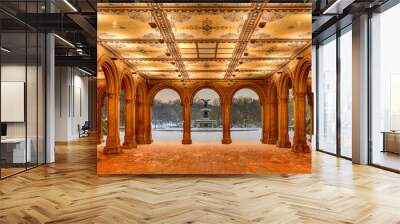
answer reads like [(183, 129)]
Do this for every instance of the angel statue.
[(205, 108), (205, 102)]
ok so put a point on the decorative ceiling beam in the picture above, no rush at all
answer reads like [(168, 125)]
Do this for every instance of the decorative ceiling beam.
[(164, 27), (196, 41), (211, 59), (207, 71), (247, 31), (104, 7)]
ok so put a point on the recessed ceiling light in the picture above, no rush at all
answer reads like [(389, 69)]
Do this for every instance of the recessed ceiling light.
[(64, 40), (5, 50), (70, 5)]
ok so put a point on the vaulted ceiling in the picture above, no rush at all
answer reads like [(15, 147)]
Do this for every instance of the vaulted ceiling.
[(205, 40)]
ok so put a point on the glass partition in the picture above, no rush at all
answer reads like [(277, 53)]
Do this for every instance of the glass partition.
[(346, 93), (22, 77), (385, 89), (327, 95)]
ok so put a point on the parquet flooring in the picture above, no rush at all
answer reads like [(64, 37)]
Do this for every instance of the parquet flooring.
[(70, 191)]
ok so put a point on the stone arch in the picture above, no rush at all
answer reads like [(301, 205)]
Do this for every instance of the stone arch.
[(222, 96), (261, 97), (107, 66), (301, 75), (284, 84), (127, 83), (302, 72), (140, 101), (256, 88), (152, 94), (156, 89)]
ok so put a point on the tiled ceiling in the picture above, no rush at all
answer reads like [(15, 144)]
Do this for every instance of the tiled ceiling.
[(205, 40)]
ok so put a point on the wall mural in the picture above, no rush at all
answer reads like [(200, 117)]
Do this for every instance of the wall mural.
[(210, 88)]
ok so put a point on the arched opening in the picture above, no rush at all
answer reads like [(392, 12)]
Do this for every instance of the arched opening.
[(107, 80), (246, 116), (122, 113), (309, 112), (290, 110), (167, 119), (206, 119), (103, 125)]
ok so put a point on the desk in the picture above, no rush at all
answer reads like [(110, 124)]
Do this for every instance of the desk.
[(13, 150), (391, 141)]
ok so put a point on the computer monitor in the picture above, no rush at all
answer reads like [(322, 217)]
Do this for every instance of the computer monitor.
[(3, 130)]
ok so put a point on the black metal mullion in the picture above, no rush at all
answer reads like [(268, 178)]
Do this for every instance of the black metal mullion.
[(369, 97), (26, 87), (317, 97), (37, 91), (338, 100)]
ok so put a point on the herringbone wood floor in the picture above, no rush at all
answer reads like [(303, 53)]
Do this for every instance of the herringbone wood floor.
[(71, 192)]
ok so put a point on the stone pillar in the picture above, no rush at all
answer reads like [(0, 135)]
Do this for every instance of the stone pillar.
[(147, 123), (129, 141), (299, 140), (187, 138), (271, 125), (283, 124), (112, 142), (265, 122), (226, 115), (139, 123)]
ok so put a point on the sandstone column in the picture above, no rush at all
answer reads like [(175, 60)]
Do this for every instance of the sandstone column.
[(187, 139), (283, 123), (271, 125), (129, 141), (226, 115), (299, 141), (139, 123), (265, 122), (147, 123), (112, 142)]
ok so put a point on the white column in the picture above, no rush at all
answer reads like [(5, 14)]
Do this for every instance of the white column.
[(360, 90), (50, 98)]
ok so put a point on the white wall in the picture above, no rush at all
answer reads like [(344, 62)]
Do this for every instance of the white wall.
[(71, 102)]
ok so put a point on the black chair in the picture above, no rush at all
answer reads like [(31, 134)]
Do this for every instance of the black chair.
[(84, 130)]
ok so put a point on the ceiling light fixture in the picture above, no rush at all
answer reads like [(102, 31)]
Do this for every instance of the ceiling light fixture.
[(64, 40), (246, 54), (337, 7), (262, 24), (84, 71), (5, 50), (70, 5)]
